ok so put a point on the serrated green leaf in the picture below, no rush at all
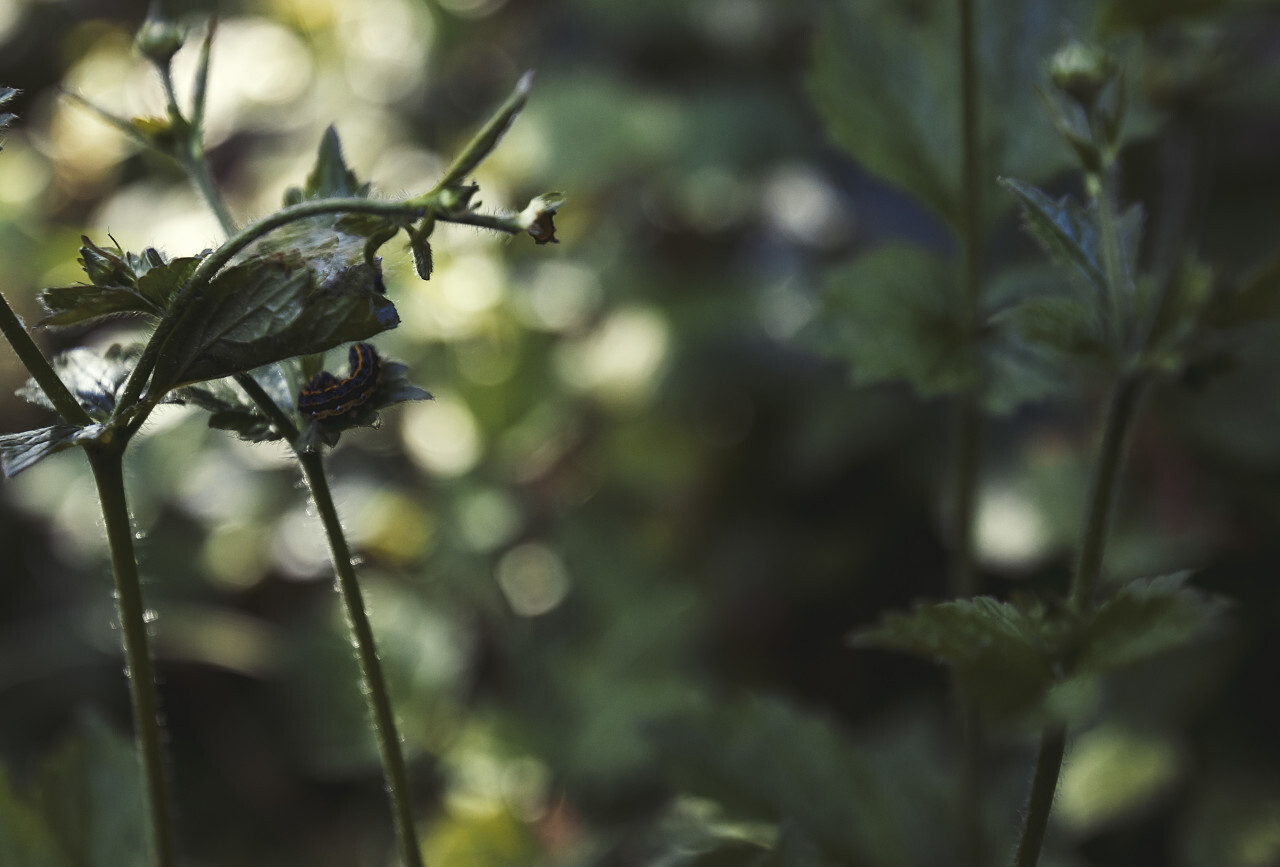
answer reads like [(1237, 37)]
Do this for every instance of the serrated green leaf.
[(890, 314), (276, 306), (25, 836), (767, 760), (19, 451), (91, 793), (1067, 231), (232, 410), (120, 283), (1145, 619), (886, 79), (95, 377), (330, 177), (1000, 653)]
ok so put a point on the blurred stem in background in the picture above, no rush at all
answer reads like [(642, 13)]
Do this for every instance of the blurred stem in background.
[(967, 442)]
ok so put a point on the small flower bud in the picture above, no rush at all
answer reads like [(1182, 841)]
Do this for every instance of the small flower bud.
[(538, 218), (158, 39), (1081, 71)]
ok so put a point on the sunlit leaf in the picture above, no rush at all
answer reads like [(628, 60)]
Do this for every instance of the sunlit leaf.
[(273, 307), (330, 177), (19, 451), (120, 283), (95, 377)]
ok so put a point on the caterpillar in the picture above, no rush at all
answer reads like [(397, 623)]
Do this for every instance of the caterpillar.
[(326, 396)]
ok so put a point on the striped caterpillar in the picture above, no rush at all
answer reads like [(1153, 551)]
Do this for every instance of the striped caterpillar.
[(326, 396)]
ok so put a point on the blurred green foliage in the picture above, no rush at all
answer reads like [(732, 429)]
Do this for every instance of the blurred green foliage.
[(614, 566)]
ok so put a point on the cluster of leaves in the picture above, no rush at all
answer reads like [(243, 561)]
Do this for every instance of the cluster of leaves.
[(1010, 657)]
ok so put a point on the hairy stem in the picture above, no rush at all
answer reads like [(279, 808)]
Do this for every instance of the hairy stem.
[(107, 461), (39, 368), (1053, 744), (384, 724)]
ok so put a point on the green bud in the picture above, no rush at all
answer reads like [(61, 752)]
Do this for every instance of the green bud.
[(158, 39), (1081, 71)]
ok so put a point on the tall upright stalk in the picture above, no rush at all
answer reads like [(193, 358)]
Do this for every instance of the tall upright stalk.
[(375, 690), (107, 461), (967, 442)]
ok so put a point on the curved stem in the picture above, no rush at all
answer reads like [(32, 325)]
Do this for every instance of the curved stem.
[(40, 368), (1053, 745), (107, 462), (218, 259), (384, 724)]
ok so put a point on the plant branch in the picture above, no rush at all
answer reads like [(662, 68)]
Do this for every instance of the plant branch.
[(1053, 745), (107, 461), (1103, 487), (376, 693), (40, 368)]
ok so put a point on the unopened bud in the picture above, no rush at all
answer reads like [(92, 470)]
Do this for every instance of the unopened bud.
[(1081, 71)]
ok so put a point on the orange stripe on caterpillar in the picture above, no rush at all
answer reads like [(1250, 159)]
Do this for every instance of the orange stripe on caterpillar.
[(326, 396)]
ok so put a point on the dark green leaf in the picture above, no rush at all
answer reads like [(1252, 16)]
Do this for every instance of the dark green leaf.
[(275, 306), (139, 283), (232, 410), (891, 315), (1147, 618), (1067, 231), (96, 378), (767, 760), (886, 79), (1020, 365), (18, 451), (91, 794), (1000, 653), (330, 178)]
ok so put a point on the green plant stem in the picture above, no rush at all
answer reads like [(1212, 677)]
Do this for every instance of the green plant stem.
[(40, 368), (380, 709), (197, 168), (107, 461), (1053, 745), (967, 443), (379, 698), (1106, 481), (1103, 486)]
